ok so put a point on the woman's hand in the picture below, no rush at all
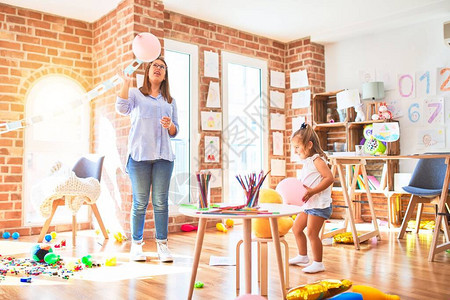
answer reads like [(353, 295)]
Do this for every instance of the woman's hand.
[(166, 122), (125, 77), (309, 193)]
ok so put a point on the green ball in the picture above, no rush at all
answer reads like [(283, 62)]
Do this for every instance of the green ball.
[(199, 284)]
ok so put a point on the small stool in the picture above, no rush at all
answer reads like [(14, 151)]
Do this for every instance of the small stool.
[(262, 263)]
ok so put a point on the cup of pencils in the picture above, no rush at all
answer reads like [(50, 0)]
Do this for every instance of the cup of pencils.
[(251, 184), (203, 180)]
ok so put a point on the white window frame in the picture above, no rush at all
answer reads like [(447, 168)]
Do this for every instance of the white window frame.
[(228, 57), (192, 50)]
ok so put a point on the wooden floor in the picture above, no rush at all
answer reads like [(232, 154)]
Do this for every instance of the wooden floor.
[(393, 266)]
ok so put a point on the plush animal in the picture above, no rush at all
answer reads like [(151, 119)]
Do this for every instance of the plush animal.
[(383, 113), (360, 117)]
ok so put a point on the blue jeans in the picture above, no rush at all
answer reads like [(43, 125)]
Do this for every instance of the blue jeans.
[(320, 212), (154, 174)]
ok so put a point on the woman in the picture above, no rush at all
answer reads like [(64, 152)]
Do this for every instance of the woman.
[(154, 121)]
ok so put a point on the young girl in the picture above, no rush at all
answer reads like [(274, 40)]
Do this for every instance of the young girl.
[(317, 179)]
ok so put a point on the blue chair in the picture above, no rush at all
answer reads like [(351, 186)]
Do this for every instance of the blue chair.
[(85, 167), (425, 186)]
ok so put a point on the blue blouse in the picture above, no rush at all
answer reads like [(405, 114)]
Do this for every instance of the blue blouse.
[(147, 139)]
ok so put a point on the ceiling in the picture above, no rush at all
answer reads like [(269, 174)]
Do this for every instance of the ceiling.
[(325, 21)]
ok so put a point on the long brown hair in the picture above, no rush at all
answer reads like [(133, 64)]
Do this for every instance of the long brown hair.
[(307, 134), (147, 86)]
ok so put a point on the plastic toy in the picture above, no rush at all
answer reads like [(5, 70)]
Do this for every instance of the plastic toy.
[(343, 238), (87, 260), (15, 235), (348, 296), (48, 237), (53, 234), (371, 293), (229, 222), (110, 262), (199, 285), (25, 279), (383, 113), (188, 227), (51, 258), (360, 116), (38, 253), (319, 289), (120, 237), (371, 144), (221, 227), (291, 190), (146, 47), (6, 235)]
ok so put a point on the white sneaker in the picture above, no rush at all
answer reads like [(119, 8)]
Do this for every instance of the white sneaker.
[(315, 267), (299, 260), (136, 253), (163, 251)]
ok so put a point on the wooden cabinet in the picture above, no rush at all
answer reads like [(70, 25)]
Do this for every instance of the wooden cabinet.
[(345, 130)]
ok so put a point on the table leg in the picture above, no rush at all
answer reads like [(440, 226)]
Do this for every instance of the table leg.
[(348, 202), (369, 198), (197, 251), (276, 243), (434, 249), (248, 255)]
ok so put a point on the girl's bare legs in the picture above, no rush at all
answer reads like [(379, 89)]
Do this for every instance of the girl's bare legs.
[(300, 238), (314, 225)]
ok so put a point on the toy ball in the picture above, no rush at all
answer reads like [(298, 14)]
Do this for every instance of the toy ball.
[(199, 285), (229, 222), (51, 258), (146, 47), (38, 253), (348, 296), (48, 237), (110, 262), (15, 235), (250, 297), (53, 234), (292, 191), (6, 235), (87, 260)]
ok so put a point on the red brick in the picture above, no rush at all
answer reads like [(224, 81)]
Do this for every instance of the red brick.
[(9, 45), (33, 48), (10, 223), (70, 38), (45, 33), (39, 24), (15, 19), (37, 57)]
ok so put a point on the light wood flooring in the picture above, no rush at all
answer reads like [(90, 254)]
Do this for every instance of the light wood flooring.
[(393, 266)]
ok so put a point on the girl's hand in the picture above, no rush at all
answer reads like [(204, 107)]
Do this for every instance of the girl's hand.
[(166, 122), (125, 77), (309, 193)]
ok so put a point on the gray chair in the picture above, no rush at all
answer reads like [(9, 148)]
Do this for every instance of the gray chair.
[(85, 167), (425, 186)]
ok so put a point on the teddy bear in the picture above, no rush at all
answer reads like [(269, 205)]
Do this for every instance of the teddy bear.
[(383, 113)]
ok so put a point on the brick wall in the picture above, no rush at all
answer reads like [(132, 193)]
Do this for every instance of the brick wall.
[(32, 45)]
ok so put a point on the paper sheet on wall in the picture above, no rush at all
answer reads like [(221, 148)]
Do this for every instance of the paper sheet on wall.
[(278, 167), (431, 138), (211, 120), (277, 122), (216, 178), (443, 84), (277, 79), (366, 76), (212, 149), (299, 79), (433, 111), (387, 78), (425, 83), (276, 99), (301, 99), (277, 143), (213, 99), (211, 64), (139, 80), (297, 122), (406, 86)]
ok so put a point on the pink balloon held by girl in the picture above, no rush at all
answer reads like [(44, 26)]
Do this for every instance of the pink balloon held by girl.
[(317, 179)]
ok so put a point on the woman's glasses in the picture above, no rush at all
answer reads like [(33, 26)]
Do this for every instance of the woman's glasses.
[(158, 66)]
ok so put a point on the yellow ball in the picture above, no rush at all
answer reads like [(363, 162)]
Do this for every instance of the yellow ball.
[(269, 196), (53, 234), (229, 223)]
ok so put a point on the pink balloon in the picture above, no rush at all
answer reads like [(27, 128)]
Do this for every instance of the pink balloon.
[(250, 297), (292, 191), (146, 47)]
